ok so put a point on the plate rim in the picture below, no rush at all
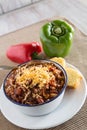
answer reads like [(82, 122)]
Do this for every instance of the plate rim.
[(54, 124)]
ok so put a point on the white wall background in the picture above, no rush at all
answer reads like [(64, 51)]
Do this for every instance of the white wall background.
[(74, 10), (8, 5)]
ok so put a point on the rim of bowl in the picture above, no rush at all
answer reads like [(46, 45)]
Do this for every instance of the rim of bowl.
[(37, 61)]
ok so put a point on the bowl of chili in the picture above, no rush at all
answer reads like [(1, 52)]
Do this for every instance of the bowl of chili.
[(36, 87)]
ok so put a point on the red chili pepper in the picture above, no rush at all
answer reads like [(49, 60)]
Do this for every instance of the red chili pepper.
[(23, 52)]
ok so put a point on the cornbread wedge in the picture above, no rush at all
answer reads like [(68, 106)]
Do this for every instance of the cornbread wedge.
[(74, 77), (59, 60)]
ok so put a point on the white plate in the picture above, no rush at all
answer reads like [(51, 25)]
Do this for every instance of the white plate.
[(66, 110)]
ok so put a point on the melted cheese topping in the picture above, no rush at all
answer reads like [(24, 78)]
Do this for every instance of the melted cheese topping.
[(38, 74)]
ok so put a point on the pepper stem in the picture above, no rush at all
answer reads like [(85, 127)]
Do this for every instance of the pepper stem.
[(35, 55), (57, 30)]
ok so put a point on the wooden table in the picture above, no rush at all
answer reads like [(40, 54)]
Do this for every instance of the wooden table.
[(74, 10)]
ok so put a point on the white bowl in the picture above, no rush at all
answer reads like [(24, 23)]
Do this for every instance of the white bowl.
[(46, 107)]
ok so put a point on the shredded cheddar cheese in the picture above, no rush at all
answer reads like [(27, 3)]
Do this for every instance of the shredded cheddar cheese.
[(38, 74)]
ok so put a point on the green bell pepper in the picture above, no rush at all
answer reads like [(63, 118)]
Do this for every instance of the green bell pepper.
[(56, 38)]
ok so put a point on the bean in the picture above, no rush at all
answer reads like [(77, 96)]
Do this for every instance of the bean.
[(18, 91), (40, 100), (53, 95)]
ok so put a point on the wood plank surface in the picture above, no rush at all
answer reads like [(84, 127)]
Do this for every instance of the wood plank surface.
[(74, 10)]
